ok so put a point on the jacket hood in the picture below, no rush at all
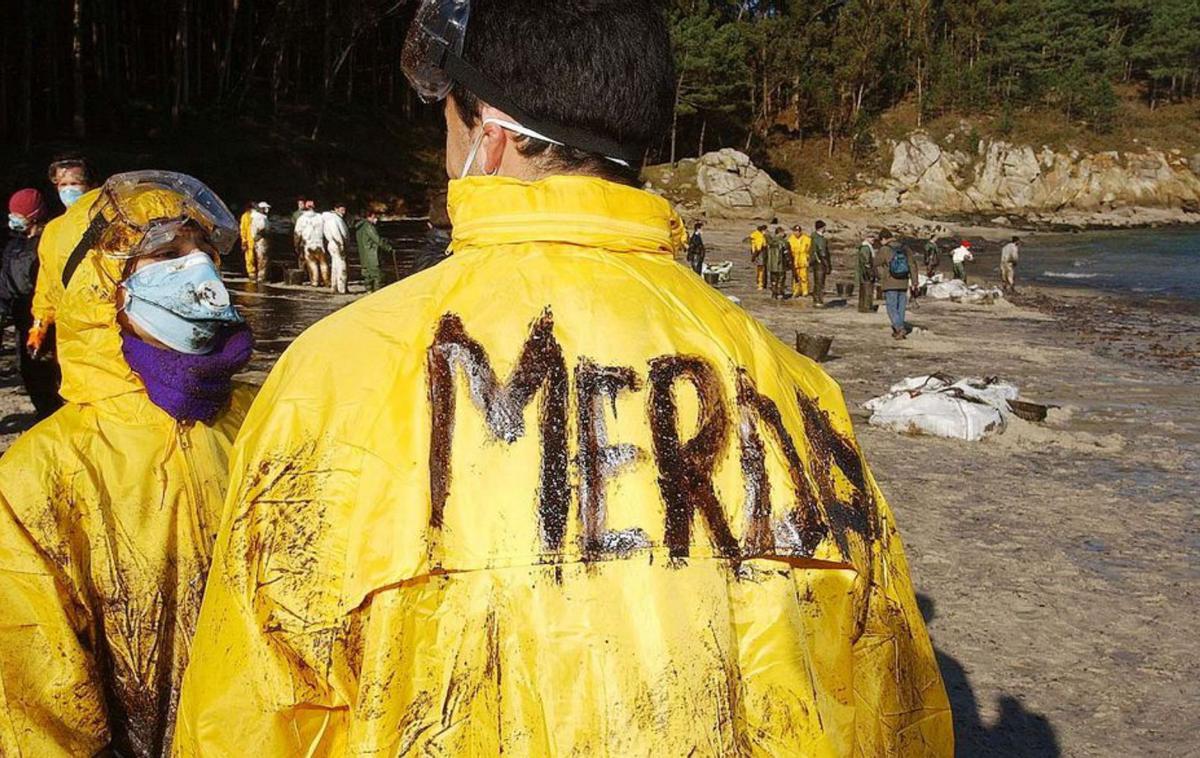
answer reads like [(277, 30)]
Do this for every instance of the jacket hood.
[(490, 211)]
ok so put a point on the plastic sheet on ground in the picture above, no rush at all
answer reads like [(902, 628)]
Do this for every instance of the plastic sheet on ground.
[(960, 292), (722, 270), (942, 406)]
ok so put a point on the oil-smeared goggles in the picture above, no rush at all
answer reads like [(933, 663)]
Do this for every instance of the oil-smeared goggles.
[(141, 211), (433, 63)]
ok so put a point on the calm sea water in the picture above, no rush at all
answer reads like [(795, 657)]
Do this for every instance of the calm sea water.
[(1146, 262)]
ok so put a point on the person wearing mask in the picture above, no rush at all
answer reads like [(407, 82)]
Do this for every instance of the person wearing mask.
[(72, 179), (1010, 255), (333, 225), (554, 495), (865, 275), (932, 255), (800, 247), (370, 245), (311, 228), (819, 264), (109, 508), (695, 249), (256, 258), (18, 275), (898, 280), (758, 249), (959, 258)]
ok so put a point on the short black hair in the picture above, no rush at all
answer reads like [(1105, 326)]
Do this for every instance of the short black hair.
[(600, 65), (819, 225), (1016, 239), (69, 161)]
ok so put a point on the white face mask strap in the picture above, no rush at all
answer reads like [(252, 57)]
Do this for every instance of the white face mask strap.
[(517, 129)]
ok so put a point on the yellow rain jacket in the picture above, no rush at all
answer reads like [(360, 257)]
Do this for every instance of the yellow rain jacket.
[(247, 240), (108, 511), (801, 248), (58, 241), (555, 496)]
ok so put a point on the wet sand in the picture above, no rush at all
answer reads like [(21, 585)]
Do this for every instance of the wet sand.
[(1057, 563)]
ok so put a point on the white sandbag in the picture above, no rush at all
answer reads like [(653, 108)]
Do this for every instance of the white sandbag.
[(937, 414), (722, 270), (957, 291)]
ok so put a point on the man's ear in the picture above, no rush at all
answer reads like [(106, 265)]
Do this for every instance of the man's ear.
[(496, 140)]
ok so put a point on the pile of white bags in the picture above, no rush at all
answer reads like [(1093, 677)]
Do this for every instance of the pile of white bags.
[(721, 270), (957, 291), (965, 409)]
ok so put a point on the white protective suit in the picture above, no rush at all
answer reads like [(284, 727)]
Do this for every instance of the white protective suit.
[(259, 224), (310, 228), (336, 232)]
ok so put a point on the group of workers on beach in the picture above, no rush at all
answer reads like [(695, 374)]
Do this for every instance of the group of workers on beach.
[(553, 495), (319, 241), (883, 266)]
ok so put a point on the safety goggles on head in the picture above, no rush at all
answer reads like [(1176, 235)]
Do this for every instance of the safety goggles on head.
[(139, 212), (432, 61)]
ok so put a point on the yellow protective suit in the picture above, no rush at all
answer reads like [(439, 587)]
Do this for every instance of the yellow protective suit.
[(758, 248), (801, 248), (58, 241), (247, 239), (108, 510), (607, 513)]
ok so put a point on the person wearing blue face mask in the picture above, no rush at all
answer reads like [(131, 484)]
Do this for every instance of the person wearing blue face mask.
[(72, 179), (109, 508), (18, 272)]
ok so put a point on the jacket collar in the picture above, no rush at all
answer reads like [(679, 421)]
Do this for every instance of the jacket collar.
[(570, 210)]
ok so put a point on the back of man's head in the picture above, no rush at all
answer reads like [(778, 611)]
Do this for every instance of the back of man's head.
[(604, 66), (819, 226)]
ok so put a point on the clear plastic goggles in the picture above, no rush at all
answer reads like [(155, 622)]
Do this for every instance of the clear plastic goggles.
[(141, 211), (439, 25)]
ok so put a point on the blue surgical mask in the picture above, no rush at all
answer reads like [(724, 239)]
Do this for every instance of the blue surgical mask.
[(68, 195), (17, 223), (181, 302)]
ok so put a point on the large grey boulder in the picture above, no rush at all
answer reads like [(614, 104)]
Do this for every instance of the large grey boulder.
[(731, 185)]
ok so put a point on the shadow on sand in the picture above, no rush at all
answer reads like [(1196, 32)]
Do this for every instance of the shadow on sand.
[(1017, 731)]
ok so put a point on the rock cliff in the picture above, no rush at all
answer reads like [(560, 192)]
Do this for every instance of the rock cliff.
[(722, 184), (1039, 184)]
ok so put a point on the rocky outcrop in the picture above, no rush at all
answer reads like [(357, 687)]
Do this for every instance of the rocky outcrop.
[(1039, 184), (725, 183)]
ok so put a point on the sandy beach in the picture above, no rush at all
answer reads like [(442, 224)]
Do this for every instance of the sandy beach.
[(1057, 562)]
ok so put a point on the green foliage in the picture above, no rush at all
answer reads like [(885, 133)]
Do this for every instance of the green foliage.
[(829, 67)]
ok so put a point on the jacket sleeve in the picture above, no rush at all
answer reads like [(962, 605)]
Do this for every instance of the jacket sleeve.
[(48, 289), (260, 671), (50, 704)]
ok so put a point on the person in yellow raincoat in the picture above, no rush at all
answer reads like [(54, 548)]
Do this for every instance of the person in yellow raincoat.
[(246, 237), (605, 513), (108, 509), (801, 246), (758, 253), (72, 179)]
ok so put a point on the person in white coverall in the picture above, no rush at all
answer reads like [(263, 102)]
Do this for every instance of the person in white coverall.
[(258, 233), (336, 233), (311, 229)]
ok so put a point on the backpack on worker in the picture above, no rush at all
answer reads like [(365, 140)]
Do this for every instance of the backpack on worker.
[(898, 265)]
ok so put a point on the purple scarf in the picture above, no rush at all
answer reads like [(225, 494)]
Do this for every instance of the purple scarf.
[(190, 387)]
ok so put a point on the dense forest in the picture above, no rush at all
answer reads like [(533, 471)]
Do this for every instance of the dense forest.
[(91, 72)]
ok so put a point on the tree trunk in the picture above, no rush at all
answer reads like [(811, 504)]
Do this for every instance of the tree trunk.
[(181, 62), (675, 117), (77, 119), (227, 54), (703, 128)]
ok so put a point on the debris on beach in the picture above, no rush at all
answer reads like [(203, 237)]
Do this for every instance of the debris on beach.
[(957, 291), (943, 406), (717, 273)]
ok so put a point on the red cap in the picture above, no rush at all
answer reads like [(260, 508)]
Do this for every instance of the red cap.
[(966, 243), (28, 203)]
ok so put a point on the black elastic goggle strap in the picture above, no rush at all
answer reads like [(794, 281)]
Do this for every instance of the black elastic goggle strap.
[(90, 237), (492, 94)]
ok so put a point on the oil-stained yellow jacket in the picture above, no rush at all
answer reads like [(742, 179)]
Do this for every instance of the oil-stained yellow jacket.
[(555, 496), (801, 247), (58, 241), (108, 511)]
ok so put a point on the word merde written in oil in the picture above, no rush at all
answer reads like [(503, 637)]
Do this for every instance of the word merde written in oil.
[(685, 467)]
